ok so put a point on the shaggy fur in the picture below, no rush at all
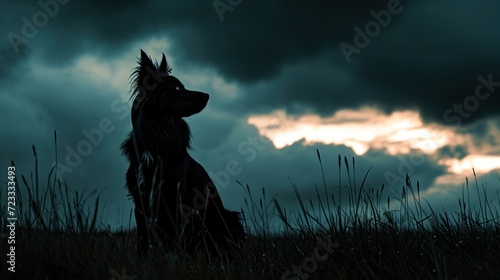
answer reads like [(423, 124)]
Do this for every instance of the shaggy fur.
[(175, 200)]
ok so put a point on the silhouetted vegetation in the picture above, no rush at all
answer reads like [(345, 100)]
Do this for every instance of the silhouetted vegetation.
[(377, 236)]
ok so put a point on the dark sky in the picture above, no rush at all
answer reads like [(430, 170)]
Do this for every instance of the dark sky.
[(66, 67)]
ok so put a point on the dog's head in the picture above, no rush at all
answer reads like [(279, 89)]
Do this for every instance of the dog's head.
[(159, 94)]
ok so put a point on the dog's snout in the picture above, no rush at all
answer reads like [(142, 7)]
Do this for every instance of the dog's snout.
[(206, 96)]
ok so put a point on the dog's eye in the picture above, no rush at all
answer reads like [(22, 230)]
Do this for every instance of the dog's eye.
[(177, 87)]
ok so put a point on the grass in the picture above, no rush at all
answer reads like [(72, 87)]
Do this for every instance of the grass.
[(360, 234)]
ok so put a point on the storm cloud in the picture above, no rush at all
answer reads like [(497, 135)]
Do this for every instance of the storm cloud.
[(66, 66)]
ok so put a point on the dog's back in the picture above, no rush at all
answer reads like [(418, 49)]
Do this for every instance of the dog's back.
[(210, 222), (174, 197)]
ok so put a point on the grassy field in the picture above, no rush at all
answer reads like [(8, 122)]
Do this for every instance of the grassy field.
[(377, 236)]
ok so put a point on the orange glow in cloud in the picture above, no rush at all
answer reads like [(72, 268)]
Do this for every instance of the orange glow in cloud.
[(480, 163), (367, 128), (360, 130)]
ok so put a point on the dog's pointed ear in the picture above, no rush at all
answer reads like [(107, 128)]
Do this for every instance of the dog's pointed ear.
[(146, 61), (145, 69), (163, 63)]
